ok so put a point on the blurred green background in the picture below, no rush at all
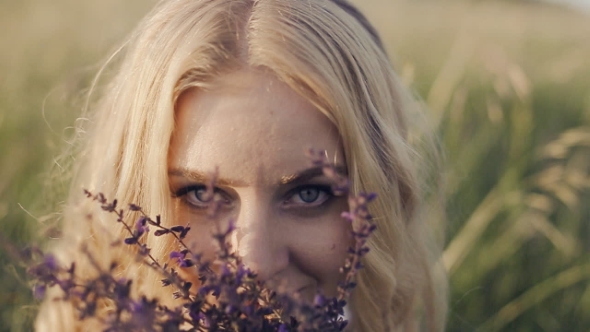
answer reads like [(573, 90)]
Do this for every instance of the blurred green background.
[(508, 88)]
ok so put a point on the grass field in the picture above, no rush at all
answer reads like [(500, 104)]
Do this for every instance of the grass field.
[(507, 85)]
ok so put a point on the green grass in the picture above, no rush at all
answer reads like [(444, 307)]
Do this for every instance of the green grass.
[(508, 86), (50, 50)]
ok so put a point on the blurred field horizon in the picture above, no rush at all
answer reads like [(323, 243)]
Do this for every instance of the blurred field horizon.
[(506, 84)]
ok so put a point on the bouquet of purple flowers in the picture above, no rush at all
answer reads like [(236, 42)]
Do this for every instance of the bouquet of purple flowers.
[(229, 297)]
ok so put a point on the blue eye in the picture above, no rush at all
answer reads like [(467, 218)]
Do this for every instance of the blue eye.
[(310, 195), (197, 196)]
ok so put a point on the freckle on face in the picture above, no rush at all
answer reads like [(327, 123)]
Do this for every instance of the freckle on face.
[(255, 129)]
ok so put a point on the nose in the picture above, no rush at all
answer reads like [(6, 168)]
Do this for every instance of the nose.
[(261, 241)]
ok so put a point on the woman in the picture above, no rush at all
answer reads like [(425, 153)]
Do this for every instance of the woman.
[(245, 86)]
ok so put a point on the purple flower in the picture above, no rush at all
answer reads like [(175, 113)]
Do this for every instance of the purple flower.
[(177, 255), (347, 215), (39, 291), (50, 262), (241, 302), (141, 226), (319, 300), (230, 228), (186, 263)]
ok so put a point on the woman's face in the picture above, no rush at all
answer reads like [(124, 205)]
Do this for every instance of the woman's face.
[(255, 130)]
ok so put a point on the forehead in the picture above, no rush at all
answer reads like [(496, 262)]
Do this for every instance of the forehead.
[(250, 126)]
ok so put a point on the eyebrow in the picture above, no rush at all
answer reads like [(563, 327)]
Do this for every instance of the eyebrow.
[(200, 177), (302, 176), (309, 174)]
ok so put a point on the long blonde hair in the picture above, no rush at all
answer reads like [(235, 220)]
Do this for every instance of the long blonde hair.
[(328, 53)]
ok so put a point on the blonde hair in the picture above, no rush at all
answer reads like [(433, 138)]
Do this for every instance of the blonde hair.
[(328, 53)]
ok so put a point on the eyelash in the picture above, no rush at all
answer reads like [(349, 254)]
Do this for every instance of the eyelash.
[(186, 191), (326, 191), (324, 195)]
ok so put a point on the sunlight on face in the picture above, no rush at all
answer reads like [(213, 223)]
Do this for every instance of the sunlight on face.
[(255, 129)]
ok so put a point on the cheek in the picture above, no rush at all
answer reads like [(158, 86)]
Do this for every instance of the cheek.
[(321, 249), (200, 237), (323, 246)]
